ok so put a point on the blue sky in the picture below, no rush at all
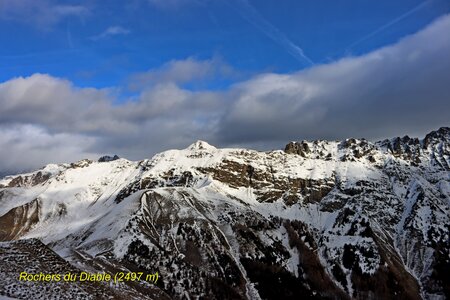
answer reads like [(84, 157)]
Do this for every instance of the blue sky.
[(86, 78), (144, 35)]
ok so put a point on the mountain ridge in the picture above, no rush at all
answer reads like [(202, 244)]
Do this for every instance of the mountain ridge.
[(329, 219)]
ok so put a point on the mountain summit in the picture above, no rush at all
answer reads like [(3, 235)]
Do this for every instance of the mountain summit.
[(201, 145), (319, 220)]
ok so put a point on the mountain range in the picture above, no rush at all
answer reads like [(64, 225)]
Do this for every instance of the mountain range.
[(349, 219)]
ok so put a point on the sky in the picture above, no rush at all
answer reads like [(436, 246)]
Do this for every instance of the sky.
[(86, 78)]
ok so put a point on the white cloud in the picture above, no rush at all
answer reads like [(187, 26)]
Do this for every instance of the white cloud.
[(396, 90), (183, 71), (54, 103), (111, 31)]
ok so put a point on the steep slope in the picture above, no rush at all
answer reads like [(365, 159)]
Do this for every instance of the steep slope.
[(337, 220)]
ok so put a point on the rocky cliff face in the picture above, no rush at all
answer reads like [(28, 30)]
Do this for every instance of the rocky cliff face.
[(334, 220)]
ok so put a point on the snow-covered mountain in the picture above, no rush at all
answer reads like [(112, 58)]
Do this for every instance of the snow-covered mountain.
[(321, 219)]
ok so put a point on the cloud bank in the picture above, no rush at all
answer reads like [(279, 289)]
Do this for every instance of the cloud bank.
[(396, 90)]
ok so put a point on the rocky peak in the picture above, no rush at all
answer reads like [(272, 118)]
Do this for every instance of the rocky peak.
[(353, 149), (435, 147), (300, 148), (29, 180), (442, 134), (406, 148), (201, 145), (437, 144), (81, 163), (107, 158)]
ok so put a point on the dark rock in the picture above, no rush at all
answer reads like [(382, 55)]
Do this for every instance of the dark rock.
[(81, 164), (108, 158), (438, 135), (32, 180), (300, 148)]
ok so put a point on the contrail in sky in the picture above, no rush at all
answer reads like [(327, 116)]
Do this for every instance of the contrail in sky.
[(249, 13), (69, 36), (389, 24)]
